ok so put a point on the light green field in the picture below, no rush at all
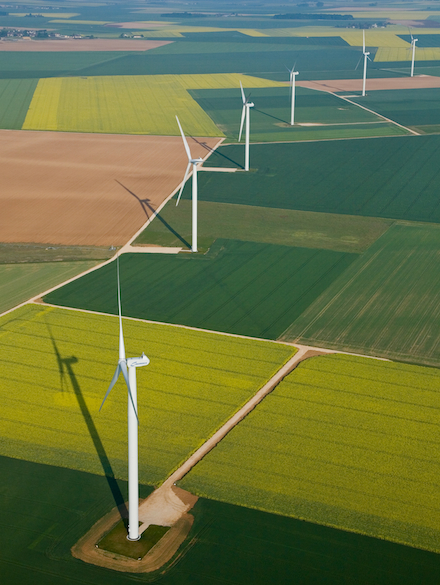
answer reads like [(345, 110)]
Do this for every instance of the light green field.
[(385, 304), (56, 366), (20, 282), (345, 441), (129, 104), (286, 227), (398, 54)]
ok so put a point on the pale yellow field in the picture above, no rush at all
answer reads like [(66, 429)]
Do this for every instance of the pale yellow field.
[(422, 54), (129, 104), (374, 38)]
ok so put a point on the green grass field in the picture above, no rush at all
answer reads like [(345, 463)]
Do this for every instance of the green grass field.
[(417, 108), (15, 98), (286, 227), (128, 104), (322, 63), (270, 118), (238, 287), (28, 65), (383, 177), (47, 509), (385, 304), (344, 441), (20, 282), (57, 364)]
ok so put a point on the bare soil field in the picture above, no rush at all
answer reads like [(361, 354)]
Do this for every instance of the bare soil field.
[(61, 45), (337, 85), (85, 189)]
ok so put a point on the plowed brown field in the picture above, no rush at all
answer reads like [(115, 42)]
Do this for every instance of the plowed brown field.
[(81, 45), (85, 189), (337, 85)]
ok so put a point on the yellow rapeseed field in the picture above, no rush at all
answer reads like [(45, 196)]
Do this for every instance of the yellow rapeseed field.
[(132, 104), (56, 365), (374, 38), (344, 441), (400, 54)]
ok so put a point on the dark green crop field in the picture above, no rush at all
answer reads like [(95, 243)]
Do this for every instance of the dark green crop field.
[(27, 65), (238, 287), (417, 108), (286, 227), (385, 304), (15, 98), (270, 118), (258, 62), (45, 510), (395, 178)]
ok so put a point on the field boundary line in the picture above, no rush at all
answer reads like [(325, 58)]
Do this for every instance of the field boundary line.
[(324, 139), (35, 301), (126, 247), (373, 112), (235, 419)]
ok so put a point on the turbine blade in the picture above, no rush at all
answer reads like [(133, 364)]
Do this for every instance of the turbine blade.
[(369, 58), (243, 113), (124, 370), (243, 97), (121, 334), (185, 143), (360, 59), (183, 183), (363, 38), (112, 383)]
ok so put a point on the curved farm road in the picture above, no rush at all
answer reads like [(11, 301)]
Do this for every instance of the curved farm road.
[(169, 505)]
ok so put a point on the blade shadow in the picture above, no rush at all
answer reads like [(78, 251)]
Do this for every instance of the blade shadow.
[(270, 116), (65, 366), (146, 205), (216, 152)]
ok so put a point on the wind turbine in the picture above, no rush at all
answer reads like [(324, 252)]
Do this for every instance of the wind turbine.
[(293, 74), (413, 46), (128, 368), (245, 114), (366, 56), (194, 162)]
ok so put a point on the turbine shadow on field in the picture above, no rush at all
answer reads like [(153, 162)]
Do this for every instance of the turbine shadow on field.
[(66, 365), (217, 153), (145, 203), (270, 116)]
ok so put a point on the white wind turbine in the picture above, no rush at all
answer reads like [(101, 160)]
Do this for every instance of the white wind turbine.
[(194, 162), (293, 74), (413, 46), (128, 368), (245, 114), (366, 57)]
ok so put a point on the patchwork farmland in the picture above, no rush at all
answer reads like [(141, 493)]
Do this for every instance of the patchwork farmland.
[(329, 241), (108, 189), (343, 441), (393, 178), (239, 287), (195, 382), (385, 304)]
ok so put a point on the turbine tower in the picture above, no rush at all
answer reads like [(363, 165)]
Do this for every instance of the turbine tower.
[(194, 162), (366, 56), (245, 114), (128, 368), (413, 45), (293, 75)]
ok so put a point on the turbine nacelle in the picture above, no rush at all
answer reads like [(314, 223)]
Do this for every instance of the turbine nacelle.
[(138, 362)]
